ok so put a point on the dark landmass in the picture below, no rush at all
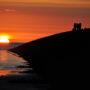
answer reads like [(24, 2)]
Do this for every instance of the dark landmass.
[(62, 59)]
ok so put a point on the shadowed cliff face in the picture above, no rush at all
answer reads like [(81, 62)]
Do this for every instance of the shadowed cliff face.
[(62, 57)]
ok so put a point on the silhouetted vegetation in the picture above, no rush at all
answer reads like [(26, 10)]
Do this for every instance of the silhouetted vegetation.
[(62, 59)]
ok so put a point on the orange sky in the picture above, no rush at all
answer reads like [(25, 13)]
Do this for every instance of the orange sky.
[(27, 20), (49, 1)]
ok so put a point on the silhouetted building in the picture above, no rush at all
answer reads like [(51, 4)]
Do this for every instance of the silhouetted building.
[(77, 27)]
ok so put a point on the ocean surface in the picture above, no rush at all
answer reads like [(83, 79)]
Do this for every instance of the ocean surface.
[(15, 74), (12, 64)]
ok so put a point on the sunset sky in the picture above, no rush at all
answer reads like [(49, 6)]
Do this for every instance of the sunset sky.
[(27, 20)]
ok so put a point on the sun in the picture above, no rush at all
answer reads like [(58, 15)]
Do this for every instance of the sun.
[(4, 39)]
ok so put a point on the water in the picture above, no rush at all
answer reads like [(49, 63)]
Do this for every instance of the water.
[(11, 77), (11, 64)]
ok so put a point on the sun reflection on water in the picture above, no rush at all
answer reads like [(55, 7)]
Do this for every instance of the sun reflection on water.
[(9, 64), (11, 72)]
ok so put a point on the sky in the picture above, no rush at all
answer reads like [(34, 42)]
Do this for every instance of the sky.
[(27, 20)]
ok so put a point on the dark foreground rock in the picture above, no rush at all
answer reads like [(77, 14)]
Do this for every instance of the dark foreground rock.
[(62, 59)]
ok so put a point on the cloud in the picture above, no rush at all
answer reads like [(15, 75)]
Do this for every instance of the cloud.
[(7, 10)]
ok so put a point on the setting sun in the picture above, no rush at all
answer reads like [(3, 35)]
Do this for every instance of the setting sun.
[(4, 39)]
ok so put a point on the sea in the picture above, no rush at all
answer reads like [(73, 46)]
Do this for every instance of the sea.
[(12, 64), (16, 74)]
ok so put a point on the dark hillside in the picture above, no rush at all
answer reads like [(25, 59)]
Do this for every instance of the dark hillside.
[(61, 57)]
